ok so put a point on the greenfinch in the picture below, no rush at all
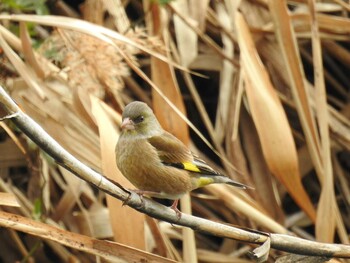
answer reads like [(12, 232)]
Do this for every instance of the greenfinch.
[(156, 162)]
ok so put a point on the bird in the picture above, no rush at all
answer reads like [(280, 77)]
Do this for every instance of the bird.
[(156, 162)]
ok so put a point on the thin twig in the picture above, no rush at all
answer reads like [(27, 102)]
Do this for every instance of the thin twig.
[(50, 146)]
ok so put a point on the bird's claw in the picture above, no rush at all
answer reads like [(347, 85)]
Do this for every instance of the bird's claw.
[(176, 210), (138, 192)]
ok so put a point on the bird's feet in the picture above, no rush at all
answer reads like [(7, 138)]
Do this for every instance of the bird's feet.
[(176, 210), (140, 193)]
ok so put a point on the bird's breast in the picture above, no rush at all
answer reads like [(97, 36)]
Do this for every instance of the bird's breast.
[(139, 162)]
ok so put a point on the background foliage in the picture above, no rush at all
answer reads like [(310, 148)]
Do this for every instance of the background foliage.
[(259, 89)]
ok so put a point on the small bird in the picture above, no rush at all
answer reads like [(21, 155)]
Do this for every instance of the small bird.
[(156, 162)]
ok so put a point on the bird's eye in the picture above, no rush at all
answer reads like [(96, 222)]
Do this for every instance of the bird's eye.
[(139, 119)]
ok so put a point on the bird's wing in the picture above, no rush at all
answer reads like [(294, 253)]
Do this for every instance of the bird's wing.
[(170, 149), (172, 152)]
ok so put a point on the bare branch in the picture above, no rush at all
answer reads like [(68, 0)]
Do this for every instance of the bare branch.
[(50, 146)]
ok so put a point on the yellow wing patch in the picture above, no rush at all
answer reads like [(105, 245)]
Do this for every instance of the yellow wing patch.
[(191, 167)]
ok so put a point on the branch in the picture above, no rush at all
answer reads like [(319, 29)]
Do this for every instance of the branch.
[(51, 147), (111, 251)]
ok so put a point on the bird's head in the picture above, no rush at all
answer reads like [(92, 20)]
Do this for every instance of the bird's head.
[(139, 119)]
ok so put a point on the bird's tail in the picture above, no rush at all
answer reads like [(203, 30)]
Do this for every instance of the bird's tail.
[(226, 180)]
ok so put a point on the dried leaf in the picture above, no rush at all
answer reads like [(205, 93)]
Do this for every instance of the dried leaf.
[(23, 70), (112, 251), (197, 10), (261, 253), (82, 26), (116, 9), (187, 40), (100, 219), (163, 76), (271, 121), (71, 195), (127, 223), (226, 76), (28, 51), (325, 221), (264, 182), (8, 199), (239, 205), (288, 45)]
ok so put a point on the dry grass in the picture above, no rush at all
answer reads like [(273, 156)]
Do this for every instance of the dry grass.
[(258, 87)]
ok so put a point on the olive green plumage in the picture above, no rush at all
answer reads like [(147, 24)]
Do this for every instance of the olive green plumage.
[(158, 163)]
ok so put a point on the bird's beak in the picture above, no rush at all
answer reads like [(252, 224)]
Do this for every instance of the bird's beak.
[(127, 124)]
